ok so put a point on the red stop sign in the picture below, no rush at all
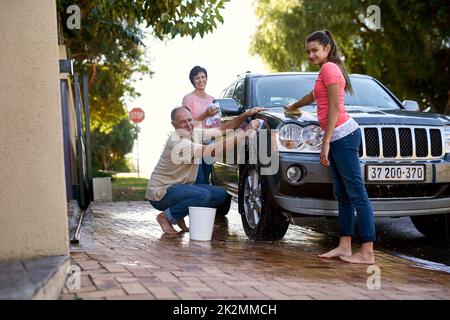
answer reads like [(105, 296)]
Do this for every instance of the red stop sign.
[(137, 115)]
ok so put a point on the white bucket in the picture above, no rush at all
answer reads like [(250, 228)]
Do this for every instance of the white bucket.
[(201, 223)]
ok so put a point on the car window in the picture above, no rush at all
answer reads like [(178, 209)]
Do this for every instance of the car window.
[(279, 90), (230, 91), (239, 93), (369, 93), (222, 94)]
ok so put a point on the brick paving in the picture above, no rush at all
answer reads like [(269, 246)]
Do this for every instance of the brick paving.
[(132, 259)]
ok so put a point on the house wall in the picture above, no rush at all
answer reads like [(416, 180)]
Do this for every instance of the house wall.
[(33, 207)]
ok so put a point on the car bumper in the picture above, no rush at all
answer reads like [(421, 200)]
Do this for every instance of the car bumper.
[(391, 208), (291, 197)]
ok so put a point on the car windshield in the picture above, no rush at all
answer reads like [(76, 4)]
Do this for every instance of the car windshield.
[(280, 90)]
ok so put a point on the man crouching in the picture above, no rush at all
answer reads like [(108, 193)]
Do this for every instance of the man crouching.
[(178, 180)]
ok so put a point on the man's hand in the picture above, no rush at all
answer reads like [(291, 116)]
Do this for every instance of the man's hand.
[(237, 121), (252, 127), (251, 112), (254, 124)]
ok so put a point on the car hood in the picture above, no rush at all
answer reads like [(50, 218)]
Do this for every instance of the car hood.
[(370, 116)]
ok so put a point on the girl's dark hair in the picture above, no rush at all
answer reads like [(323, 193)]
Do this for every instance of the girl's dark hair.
[(195, 71), (324, 37)]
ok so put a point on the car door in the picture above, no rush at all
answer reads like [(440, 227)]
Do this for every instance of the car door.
[(226, 174)]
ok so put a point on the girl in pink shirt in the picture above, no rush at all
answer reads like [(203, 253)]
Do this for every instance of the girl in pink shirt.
[(198, 100), (340, 148)]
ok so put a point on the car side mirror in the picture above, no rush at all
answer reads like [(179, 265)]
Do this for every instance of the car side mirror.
[(229, 107), (411, 105)]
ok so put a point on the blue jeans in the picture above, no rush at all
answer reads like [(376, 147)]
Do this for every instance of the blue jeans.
[(349, 188), (180, 197), (204, 171)]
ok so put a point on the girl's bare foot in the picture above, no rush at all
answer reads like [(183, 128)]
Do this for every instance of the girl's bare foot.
[(364, 256), (165, 224), (343, 249), (182, 225), (360, 257), (337, 252)]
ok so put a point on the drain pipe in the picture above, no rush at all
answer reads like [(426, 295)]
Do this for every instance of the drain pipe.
[(76, 236)]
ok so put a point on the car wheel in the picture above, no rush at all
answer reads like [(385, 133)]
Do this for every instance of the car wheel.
[(433, 226), (260, 218), (223, 209)]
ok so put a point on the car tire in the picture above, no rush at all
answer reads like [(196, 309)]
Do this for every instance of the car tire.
[(261, 219), (224, 208), (432, 226)]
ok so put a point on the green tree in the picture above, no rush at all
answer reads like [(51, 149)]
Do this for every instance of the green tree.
[(410, 54), (111, 148), (109, 45)]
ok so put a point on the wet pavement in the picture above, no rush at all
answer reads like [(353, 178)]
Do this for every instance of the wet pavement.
[(131, 258), (396, 236)]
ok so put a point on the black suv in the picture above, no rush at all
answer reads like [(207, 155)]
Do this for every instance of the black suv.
[(405, 156)]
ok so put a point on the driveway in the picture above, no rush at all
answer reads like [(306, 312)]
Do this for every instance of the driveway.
[(130, 258)]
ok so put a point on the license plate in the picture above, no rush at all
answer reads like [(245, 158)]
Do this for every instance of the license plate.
[(395, 173)]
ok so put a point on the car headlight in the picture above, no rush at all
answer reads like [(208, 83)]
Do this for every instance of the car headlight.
[(312, 136), (290, 135), (447, 139)]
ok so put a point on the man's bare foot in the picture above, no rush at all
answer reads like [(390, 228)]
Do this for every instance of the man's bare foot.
[(182, 225), (337, 252), (165, 224), (360, 257)]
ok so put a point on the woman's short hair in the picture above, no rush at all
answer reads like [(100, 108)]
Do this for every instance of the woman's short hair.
[(195, 71)]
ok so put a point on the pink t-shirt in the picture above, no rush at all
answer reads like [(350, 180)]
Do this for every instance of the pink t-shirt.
[(330, 73), (198, 105)]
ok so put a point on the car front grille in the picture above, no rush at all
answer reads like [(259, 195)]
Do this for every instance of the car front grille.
[(429, 190), (399, 142), (374, 191)]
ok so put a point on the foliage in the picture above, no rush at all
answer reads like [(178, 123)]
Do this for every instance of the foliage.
[(410, 54), (103, 174), (111, 148), (109, 46)]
